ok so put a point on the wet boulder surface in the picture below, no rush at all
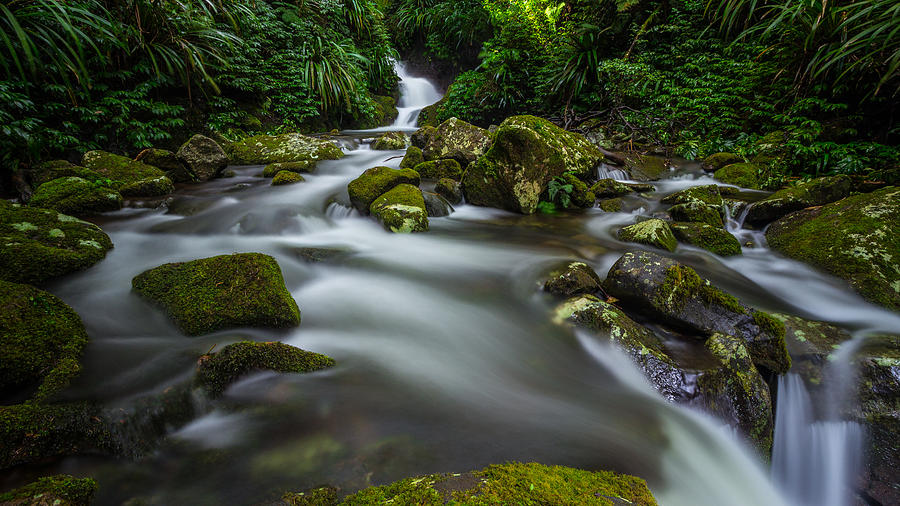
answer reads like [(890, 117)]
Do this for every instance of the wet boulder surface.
[(77, 196), (455, 139), (293, 147), (375, 182), (134, 178)]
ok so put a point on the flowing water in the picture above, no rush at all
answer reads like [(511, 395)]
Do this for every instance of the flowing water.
[(447, 359)]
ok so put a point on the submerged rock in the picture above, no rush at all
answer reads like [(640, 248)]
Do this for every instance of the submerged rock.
[(450, 189), (458, 140), (401, 210), (286, 177), (390, 141), (375, 182), (439, 169), (266, 149), (854, 239), (210, 294), (412, 158), (527, 153), (716, 161), (40, 244), (713, 239), (745, 175), (74, 195), (59, 490), (571, 279), (216, 371), (816, 192), (168, 162), (655, 232), (125, 172), (301, 167)]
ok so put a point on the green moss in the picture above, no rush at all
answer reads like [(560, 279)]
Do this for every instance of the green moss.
[(218, 370), (438, 169), (390, 141), (745, 175), (607, 188), (456, 139), (74, 195), (771, 353), (401, 210), (301, 167), (266, 149), (161, 159), (572, 278), (375, 182), (715, 240), (707, 194), (449, 189), (581, 195), (718, 160), (611, 205), (287, 177), (646, 167), (55, 169), (655, 232), (150, 187), (119, 169), (322, 496), (59, 490), (430, 114), (412, 158), (698, 212), (40, 244), (226, 291), (682, 283), (385, 109), (815, 192), (422, 136)]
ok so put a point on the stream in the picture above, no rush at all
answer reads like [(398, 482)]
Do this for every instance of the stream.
[(447, 359)]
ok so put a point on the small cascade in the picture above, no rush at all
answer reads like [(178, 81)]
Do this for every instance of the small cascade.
[(336, 211), (416, 93), (605, 171), (735, 215)]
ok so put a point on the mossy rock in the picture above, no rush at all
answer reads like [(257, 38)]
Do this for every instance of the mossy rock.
[(301, 167), (581, 196), (59, 490), (210, 294), (203, 156), (391, 141), (439, 169), (41, 340), (716, 161), (385, 109), (571, 279), (74, 195), (119, 170), (421, 137), (745, 175), (168, 162), (511, 483), (854, 239), (429, 115), (458, 140), (654, 232), (646, 167), (401, 210), (266, 149), (218, 370), (712, 239), (287, 177), (698, 212), (40, 244), (675, 294), (436, 205), (55, 169), (812, 345), (376, 182), (412, 158), (611, 205), (150, 187), (450, 189), (610, 188), (527, 153), (707, 194), (320, 496), (816, 192)]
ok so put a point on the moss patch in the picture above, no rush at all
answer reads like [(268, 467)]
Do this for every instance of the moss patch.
[(150, 187), (707, 194), (572, 278), (226, 291), (609, 188), (119, 169), (611, 205), (375, 182), (816, 192), (745, 175), (655, 232), (401, 210), (450, 189), (439, 169), (301, 167), (458, 140), (718, 160), (286, 177), (698, 212), (682, 283), (266, 149), (77, 196), (412, 158), (391, 141), (713, 239), (55, 169), (59, 490)]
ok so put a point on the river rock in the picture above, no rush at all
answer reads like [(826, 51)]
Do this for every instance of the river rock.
[(286, 177), (41, 340), (59, 490), (654, 232), (375, 182), (698, 212), (610, 188), (385, 109), (854, 239), (74, 195), (707, 194), (712, 239), (716, 161), (215, 371), (148, 187), (412, 158), (55, 169), (293, 147), (450, 189), (581, 196), (816, 192), (203, 156), (422, 136), (126, 173), (436, 205), (527, 153), (401, 209), (676, 294), (571, 279), (439, 169), (227, 291), (40, 244), (646, 167), (168, 162), (611, 205), (745, 175), (458, 140), (390, 141), (301, 167)]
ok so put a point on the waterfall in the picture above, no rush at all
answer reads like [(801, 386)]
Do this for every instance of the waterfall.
[(416, 93)]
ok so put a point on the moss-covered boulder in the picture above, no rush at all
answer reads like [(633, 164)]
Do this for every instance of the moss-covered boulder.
[(375, 182), (439, 169), (301, 167), (41, 340), (716, 161), (676, 294), (571, 279), (55, 169), (611, 205), (385, 109), (698, 212), (527, 153), (59, 490), (149, 187), (450, 189), (646, 167), (854, 239), (512, 483), (610, 188), (428, 116), (458, 140), (77, 196), (745, 175), (655, 232), (168, 162), (390, 141), (210, 294), (713, 239), (412, 158), (266, 149), (216, 371), (817, 192), (122, 172), (707, 194), (40, 244), (581, 196), (422, 136), (286, 177), (401, 210)]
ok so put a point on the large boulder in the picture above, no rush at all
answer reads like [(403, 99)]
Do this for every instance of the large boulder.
[(59, 490), (716, 161), (40, 244), (374, 182), (167, 161), (439, 169), (215, 371), (450, 189), (203, 157), (676, 294), (654, 232), (817, 192), (610, 188), (55, 169), (266, 149), (76, 196), (572, 278), (745, 175), (646, 167), (458, 140), (390, 141), (227, 291), (148, 187), (713, 239), (41, 340), (527, 153), (706, 194), (698, 212), (401, 210), (854, 239), (124, 173), (412, 158)]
